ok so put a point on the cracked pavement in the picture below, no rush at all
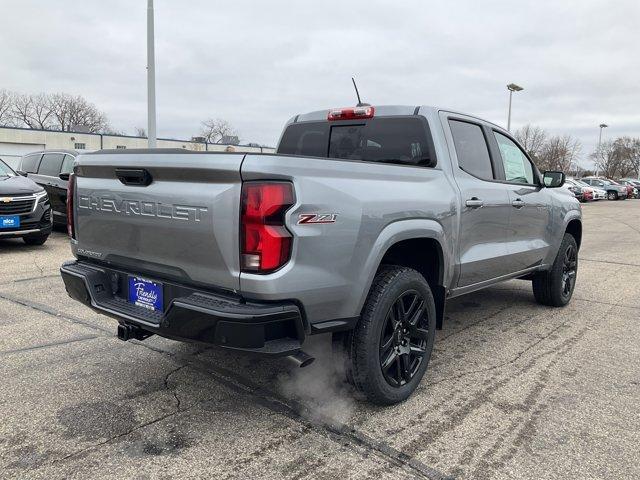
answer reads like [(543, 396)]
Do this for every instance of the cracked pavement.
[(514, 389)]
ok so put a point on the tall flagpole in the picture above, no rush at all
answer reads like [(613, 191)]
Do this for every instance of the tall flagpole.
[(151, 78)]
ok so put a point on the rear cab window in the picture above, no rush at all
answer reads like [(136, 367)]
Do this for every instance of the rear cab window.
[(398, 140)]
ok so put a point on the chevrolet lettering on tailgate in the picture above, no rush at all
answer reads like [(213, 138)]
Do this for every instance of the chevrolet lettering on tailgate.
[(141, 208)]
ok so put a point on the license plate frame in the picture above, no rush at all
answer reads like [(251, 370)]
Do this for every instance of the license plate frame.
[(146, 293), (9, 221)]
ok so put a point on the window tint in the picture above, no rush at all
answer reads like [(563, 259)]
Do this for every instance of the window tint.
[(67, 164), (30, 163), (387, 140), (50, 164), (517, 167), (381, 140), (310, 139), (471, 149)]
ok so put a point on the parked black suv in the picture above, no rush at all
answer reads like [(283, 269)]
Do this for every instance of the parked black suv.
[(50, 169), (24, 208)]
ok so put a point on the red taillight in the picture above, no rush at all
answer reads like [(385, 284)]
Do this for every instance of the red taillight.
[(350, 113), (265, 241), (71, 188)]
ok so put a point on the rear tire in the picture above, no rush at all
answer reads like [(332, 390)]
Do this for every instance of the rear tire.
[(612, 195), (387, 353), (35, 240), (555, 286)]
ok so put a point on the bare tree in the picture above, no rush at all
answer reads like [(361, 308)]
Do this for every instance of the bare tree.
[(6, 108), (619, 157), (59, 111), (85, 114), (140, 132), (558, 153), (61, 105), (214, 130), (33, 111), (532, 139), (635, 157)]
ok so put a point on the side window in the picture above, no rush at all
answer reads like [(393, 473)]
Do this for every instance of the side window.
[(30, 163), (67, 164), (471, 149), (50, 164), (517, 167)]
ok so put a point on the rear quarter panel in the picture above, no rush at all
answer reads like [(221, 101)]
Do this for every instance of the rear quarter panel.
[(332, 265)]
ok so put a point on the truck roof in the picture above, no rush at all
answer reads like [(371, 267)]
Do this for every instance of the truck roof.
[(385, 110)]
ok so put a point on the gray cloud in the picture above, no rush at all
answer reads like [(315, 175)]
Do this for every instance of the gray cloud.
[(258, 63)]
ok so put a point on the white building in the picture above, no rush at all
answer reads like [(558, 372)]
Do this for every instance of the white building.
[(16, 142)]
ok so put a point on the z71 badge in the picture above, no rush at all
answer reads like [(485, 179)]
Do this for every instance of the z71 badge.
[(305, 218)]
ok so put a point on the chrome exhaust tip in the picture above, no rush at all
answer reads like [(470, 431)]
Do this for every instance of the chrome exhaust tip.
[(301, 359)]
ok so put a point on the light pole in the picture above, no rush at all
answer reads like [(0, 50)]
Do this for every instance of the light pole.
[(602, 125), (512, 87), (151, 78)]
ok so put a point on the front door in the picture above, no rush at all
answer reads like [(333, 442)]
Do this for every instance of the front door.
[(529, 232)]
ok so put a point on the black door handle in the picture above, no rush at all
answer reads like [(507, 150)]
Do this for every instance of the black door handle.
[(134, 176)]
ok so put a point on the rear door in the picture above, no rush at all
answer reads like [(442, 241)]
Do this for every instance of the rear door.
[(484, 217), (163, 215), (47, 176), (529, 234)]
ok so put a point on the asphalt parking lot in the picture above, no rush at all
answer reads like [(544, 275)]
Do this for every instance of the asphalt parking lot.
[(514, 390)]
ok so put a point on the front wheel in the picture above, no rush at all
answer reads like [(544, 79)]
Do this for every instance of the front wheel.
[(612, 195), (555, 286), (389, 350)]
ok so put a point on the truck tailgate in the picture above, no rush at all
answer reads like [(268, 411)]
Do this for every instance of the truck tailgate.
[(183, 225)]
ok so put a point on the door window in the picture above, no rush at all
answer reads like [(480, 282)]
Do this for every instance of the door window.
[(67, 164), (517, 167), (50, 164), (30, 163), (471, 149)]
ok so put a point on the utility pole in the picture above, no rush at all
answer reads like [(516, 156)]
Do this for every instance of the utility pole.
[(151, 79), (512, 87), (602, 125)]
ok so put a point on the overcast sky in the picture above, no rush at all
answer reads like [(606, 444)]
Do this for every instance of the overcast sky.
[(257, 63)]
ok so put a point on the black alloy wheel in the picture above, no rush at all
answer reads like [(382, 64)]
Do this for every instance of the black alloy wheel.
[(569, 270), (403, 341)]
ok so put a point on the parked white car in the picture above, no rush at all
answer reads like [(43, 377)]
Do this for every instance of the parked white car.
[(598, 193)]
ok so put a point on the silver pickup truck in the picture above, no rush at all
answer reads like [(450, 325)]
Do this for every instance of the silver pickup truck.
[(362, 224)]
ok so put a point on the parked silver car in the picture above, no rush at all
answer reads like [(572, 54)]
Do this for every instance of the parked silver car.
[(614, 191)]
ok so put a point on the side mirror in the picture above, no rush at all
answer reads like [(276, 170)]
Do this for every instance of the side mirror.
[(21, 172), (553, 179), (64, 176)]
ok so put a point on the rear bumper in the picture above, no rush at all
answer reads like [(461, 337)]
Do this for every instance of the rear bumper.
[(190, 315)]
